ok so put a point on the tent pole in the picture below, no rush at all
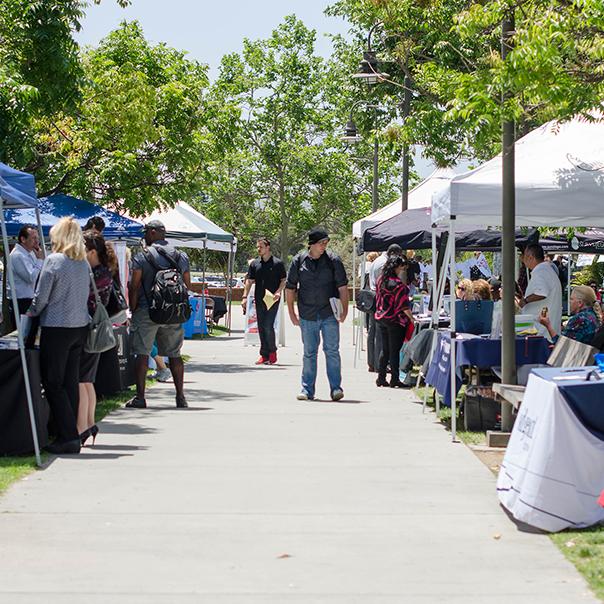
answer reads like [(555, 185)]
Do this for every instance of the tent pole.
[(452, 355), (30, 404), (568, 277), (230, 286), (435, 308), (204, 285), (354, 282), (40, 231)]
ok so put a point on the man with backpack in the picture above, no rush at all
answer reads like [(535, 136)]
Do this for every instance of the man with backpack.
[(319, 279), (160, 305)]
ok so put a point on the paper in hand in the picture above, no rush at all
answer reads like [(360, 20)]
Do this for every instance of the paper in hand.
[(269, 299)]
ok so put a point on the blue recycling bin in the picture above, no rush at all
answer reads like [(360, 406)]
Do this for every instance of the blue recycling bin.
[(197, 321)]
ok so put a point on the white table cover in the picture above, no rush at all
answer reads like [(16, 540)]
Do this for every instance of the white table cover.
[(553, 470)]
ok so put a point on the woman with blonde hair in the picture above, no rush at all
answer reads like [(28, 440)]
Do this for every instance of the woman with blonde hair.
[(464, 290), (61, 302), (585, 316)]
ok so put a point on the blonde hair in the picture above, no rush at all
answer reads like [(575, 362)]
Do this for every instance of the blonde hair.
[(66, 238), (468, 288), (588, 296), (371, 256), (482, 290)]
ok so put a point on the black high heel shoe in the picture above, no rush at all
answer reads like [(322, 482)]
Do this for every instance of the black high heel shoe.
[(381, 382), (94, 430), (85, 436)]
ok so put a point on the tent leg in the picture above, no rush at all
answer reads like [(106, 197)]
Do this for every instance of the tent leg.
[(229, 292), (435, 308), (30, 404), (568, 277), (354, 282), (41, 232), (452, 356)]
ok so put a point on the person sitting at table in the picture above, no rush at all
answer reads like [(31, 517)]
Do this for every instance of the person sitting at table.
[(482, 290), (61, 302), (465, 290), (585, 317), (394, 318), (96, 254)]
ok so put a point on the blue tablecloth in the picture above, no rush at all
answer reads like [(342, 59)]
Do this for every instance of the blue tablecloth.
[(585, 398), (478, 352), (197, 321)]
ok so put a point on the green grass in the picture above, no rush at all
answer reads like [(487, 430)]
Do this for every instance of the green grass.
[(444, 415), (585, 549), (14, 468)]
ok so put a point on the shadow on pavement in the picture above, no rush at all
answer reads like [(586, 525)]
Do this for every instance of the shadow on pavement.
[(225, 368), (97, 447), (122, 428)]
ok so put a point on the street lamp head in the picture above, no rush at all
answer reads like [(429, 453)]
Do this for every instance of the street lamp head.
[(369, 71), (351, 134)]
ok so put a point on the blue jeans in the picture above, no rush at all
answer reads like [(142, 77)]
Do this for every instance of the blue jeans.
[(312, 331)]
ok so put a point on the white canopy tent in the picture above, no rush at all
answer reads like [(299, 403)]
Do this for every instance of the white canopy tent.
[(419, 197), (559, 183), (186, 227)]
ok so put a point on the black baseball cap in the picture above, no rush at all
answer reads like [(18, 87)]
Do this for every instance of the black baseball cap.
[(156, 225)]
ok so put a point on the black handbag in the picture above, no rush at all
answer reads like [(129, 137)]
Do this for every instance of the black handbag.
[(365, 300), (117, 301)]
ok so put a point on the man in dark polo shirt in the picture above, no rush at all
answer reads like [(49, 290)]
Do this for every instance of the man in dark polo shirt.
[(318, 276), (267, 273)]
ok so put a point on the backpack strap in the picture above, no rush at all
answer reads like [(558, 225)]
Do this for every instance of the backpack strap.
[(162, 252)]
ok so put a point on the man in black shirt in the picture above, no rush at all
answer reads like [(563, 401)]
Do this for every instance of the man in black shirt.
[(267, 273), (320, 279)]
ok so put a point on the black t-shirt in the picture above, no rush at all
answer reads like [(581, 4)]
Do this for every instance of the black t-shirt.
[(266, 275), (413, 271), (316, 281)]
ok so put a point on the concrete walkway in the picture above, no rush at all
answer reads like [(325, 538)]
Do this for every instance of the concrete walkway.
[(251, 496)]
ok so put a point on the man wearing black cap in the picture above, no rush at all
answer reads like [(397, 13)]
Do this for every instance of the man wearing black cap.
[(319, 278), (144, 331)]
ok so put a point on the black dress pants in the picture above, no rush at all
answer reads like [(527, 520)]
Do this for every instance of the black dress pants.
[(60, 350), (393, 337), (266, 327), (374, 342)]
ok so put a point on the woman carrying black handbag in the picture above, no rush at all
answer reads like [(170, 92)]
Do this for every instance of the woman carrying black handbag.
[(96, 254)]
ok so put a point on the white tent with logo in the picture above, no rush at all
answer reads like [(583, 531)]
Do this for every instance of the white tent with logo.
[(559, 182)]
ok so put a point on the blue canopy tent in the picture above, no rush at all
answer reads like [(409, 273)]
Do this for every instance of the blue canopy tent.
[(18, 190), (52, 208)]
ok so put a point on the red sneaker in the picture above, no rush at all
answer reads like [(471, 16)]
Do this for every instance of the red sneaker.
[(272, 358), (261, 361)]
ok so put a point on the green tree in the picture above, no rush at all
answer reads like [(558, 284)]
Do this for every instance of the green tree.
[(450, 50), (40, 71), (285, 170), (138, 138)]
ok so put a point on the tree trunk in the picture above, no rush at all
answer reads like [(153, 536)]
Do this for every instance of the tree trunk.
[(284, 239)]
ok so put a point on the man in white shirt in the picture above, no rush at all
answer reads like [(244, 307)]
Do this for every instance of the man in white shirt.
[(543, 290), (26, 259)]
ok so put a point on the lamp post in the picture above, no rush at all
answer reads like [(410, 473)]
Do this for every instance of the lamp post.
[(370, 73), (351, 135)]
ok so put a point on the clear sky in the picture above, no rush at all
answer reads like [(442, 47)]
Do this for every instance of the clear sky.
[(210, 29)]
